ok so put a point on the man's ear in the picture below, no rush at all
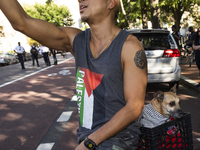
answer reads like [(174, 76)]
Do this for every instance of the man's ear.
[(159, 96), (173, 89), (112, 3)]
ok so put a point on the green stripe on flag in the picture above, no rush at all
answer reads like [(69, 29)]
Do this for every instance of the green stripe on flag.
[(80, 91)]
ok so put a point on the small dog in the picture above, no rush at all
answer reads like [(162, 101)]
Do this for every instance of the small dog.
[(163, 106)]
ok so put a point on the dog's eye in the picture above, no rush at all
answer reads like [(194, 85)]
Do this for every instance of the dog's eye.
[(172, 104)]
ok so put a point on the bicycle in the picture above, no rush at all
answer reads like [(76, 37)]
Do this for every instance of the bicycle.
[(187, 56)]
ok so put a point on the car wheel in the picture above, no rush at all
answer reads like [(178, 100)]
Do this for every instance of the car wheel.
[(8, 62), (171, 84)]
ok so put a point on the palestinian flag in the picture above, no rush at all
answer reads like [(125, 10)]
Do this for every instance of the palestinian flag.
[(86, 83)]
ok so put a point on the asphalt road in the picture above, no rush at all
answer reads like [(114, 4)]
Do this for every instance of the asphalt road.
[(38, 106)]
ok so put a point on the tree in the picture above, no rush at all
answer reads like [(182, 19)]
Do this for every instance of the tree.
[(155, 13), (58, 15), (196, 16), (2, 34), (129, 12), (176, 8), (144, 13)]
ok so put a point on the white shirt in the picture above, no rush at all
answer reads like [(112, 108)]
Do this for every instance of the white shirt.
[(44, 49), (19, 49)]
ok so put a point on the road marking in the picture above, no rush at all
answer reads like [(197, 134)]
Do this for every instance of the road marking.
[(198, 139), (65, 72), (53, 74), (32, 74), (74, 98), (65, 68), (46, 146), (65, 116)]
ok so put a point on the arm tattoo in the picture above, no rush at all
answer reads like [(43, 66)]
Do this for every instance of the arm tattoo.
[(140, 59)]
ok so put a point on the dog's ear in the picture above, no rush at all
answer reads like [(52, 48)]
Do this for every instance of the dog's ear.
[(159, 96), (173, 89)]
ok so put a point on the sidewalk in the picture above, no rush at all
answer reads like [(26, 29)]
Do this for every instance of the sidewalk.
[(190, 76)]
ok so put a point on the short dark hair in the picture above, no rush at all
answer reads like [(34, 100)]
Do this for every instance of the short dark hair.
[(190, 29), (174, 26)]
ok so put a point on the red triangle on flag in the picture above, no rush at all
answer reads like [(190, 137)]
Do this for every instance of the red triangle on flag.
[(91, 80)]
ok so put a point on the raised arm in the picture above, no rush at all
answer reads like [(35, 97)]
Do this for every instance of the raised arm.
[(39, 30)]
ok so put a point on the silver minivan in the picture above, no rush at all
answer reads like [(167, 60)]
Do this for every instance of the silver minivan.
[(162, 54)]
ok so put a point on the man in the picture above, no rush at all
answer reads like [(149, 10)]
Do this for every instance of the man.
[(176, 35), (53, 52), (111, 71), (190, 39), (20, 52), (34, 53), (45, 54)]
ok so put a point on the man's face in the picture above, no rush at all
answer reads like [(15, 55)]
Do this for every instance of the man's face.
[(173, 29), (91, 10)]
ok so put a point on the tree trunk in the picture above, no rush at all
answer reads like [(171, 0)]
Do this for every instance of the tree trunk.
[(155, 14), (144, 14), (177, 16)]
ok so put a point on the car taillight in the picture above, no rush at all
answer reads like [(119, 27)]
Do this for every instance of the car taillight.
[(171, 53), (2, 57)]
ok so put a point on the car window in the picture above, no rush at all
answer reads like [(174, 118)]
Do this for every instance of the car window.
[(155, 41)]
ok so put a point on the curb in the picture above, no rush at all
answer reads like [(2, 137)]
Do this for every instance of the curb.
[(190, 83)]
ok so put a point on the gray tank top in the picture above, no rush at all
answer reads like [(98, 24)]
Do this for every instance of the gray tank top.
[(99, 82)]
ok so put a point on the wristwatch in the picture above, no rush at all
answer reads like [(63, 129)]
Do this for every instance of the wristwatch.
[(89, 144)]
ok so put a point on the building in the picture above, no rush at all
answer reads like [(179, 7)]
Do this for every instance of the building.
[(12, 37)]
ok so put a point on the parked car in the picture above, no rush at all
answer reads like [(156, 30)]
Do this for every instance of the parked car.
[(7, 58), (162, 54), (28, 56)]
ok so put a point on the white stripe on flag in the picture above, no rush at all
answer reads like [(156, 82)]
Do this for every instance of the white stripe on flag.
[(88, 110)]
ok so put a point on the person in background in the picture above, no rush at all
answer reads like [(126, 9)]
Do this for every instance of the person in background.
[(189, 41), (111, 71), (53, 52), (20, 52), (191, 36), (45, 54), (63, 53), (34, 52), (196, 47), (176, 35)]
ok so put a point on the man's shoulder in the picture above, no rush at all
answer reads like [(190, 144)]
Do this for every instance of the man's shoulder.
[(131, 46), (132, 42)]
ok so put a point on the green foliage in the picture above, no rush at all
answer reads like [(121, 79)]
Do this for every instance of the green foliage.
[(31, 41), (132, 9), (58, 15), (171, 11), (175, 9), (2, 34)]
